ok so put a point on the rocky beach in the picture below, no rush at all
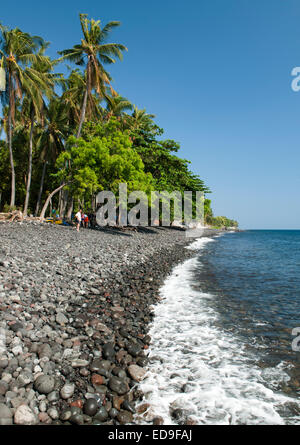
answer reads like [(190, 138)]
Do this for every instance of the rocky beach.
[(74, 315)]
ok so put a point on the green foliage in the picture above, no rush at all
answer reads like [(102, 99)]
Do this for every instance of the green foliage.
[(101, 160), (223, 222)]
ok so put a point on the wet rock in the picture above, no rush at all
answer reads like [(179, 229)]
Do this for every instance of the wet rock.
[(158, 420), (118, 385), (134, 349), (90, 407), (108, 351), (124, 417), (117, 402), (101, 414), (136, 372), (77, 419)]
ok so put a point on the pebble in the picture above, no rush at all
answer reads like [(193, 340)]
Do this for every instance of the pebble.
[(5, 415), (25, 416), (44, 384), (67, 390), (83, 322)]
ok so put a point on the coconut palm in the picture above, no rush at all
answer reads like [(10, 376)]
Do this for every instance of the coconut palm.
[(92, 53), (42, 84), (73, 90), (51, 137), (139, 119), (116, 105), (18, 50)]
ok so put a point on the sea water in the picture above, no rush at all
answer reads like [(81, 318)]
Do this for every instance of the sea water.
[(221, 349)]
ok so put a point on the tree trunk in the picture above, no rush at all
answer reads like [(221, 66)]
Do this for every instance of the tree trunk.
[(38, 203), (70, 209), (29, 164), (42, 215), (63, 203), (82, 114), (85, 97), (12, 165)]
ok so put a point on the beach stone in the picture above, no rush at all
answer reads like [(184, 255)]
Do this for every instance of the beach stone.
[(78, 403), (77, 419), (53, 396), (108, 351), (61, 318), (3, 363), (136, 372), (66, 414), (44, 418), (15, 327), (79, 363), (97, 379), (53, 413), (117, 402), (17, 350), (134, 349), (158, 420), (44, 384), (113, 412), (124, 417), (44, 350), (3, 387), (24, 378), (5, 415), (101, 414), (25, 416), (118, 385), (67, 390)]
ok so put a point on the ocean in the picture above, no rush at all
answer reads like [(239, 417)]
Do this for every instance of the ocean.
[(222, 348)]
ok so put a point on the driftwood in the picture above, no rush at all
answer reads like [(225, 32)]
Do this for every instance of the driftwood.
[(12, 216)]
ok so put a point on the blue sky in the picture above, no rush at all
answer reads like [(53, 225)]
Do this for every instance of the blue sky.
[(217, 75)]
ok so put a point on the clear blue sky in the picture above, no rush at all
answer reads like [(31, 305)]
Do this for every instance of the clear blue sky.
[(217, 75)]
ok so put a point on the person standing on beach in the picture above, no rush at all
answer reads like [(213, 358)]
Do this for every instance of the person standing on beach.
[(78, 217)]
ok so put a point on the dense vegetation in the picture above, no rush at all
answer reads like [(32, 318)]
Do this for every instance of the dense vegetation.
[(67, 138)]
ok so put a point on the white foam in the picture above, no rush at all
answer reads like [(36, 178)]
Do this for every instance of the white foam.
[(199, 243), (189, 348)]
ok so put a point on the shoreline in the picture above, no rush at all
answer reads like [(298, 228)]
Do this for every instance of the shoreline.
[(76, 318)]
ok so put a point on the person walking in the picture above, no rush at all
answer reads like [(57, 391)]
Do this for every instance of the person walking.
[(78, 218)]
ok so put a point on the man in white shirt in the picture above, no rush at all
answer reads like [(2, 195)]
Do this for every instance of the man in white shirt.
[(78, 219)]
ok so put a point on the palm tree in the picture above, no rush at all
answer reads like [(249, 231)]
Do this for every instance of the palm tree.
[(139, 119), (117, 105), (18, 49), (92, 53), (51, 137), (42, 82), (73, 90)]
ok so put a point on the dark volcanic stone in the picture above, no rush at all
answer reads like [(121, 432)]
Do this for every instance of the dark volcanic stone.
[(77, 419), (124, 417), (134, 349), (118, 385), (90, 407), (101, 414), (108, 351), (113, 412)]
